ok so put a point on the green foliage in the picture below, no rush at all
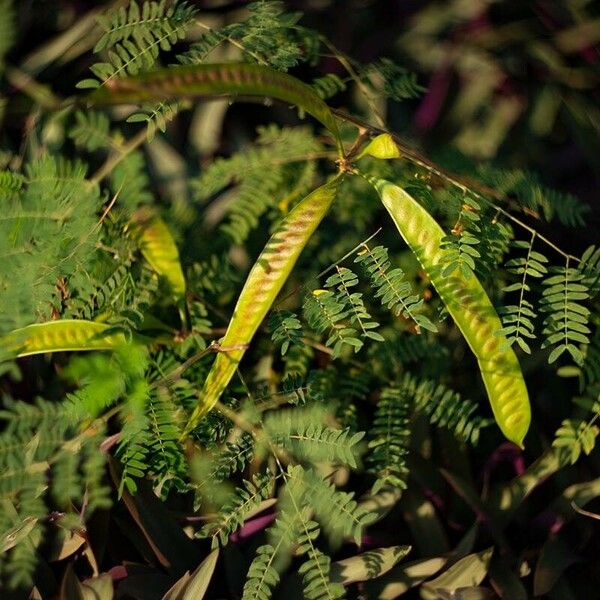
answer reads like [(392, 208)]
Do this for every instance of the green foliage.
[(495, 237), (566, 318), (393, 289), (309, 446), (533, 196), (233, 457), (461, 251), (316, 577), (445, 408), (328, 86), (166, 456), (121, 299), (133, 451), (129, 181), (285, 329), (590, 267), (272, 36), (343, 281), (233, 514), (47, 232), (132, 41), (325, 313), (389, 437), (262, 576), (293, 528), (576, 436), (213, 278), (10, 184), (133, 37), (44, 459), (398, 83), (91, 130), (268, 36), (300, 433), (518, 320), (410, 351), (590, 374), (338, 513), (148, 22), (262, 175), (156, 116)]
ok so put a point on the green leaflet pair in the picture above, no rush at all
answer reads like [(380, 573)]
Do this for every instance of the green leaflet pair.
[(464, 297)]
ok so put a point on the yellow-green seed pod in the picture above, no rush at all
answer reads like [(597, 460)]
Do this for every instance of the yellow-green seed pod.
[(264, 283), (470, 307), (158, 247), (382, 146), (61, 336), (215, 80)]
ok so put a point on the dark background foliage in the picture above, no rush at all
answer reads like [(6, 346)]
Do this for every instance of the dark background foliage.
[(545, 60), (514, 82)]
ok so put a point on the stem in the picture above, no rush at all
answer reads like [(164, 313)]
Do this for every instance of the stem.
[(40, 94), (345, 62), (566, 318), (113, 160), (521, 295), (259, 59)]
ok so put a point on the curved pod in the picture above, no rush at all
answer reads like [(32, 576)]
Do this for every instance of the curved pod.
[(61, 336), (266, 278), (158, 247), (216, 79), (471, 309)]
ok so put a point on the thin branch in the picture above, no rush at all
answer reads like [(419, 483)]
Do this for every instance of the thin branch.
[(585, 513), (345, 62), (113, 160)]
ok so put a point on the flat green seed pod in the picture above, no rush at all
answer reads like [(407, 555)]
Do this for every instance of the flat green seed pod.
[(158, 247), (470, 307), (382, 146), (264, 283), (61, 336), (240, 79)]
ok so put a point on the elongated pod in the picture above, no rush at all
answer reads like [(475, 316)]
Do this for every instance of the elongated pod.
[(212, 80), (471, 309), (266, 278), (61, 336), (158, 247)]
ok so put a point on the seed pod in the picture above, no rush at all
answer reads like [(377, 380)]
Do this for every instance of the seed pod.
[(60, 336), (214, 80), (264, 283), (158, 247), (469, 306), (382, 146)]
